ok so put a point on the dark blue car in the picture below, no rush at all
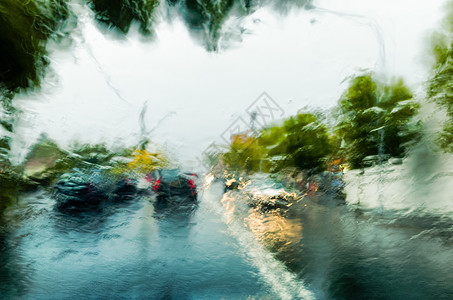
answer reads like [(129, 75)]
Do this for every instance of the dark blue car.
[(171, 183)]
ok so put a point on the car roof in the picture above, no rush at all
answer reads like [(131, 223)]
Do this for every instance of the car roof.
[(169, 172)]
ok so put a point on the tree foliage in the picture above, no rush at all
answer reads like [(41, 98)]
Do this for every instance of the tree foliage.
[(302, 142), (25, 27), (245, 154), (144, 161), (376, 119), (207, 16), (120, 14), (440, 89), (47, 160)]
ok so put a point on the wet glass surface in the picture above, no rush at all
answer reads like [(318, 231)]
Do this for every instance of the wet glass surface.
[(223, 248), (137, 249), (221, 149)]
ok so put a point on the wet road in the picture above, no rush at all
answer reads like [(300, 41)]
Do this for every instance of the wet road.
[(223, 249), (131, 250), (346, 252)]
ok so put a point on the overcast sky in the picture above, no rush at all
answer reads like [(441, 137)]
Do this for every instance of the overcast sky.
[(97, 89)]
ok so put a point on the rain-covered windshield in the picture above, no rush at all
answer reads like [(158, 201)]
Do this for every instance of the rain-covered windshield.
[(311, 141)]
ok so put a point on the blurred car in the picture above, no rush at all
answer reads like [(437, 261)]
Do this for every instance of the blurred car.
[(264, 193), (270, 198), (90, 186), (234, 182), (169, 183), (80, 189), (125, 188)]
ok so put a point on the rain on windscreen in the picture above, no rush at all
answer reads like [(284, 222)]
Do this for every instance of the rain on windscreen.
[(223, 149)]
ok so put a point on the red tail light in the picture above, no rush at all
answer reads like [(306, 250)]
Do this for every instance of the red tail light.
[(192, 186), (156, 184)]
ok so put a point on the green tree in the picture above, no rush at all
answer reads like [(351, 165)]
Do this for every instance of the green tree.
[(120, 14), (206, 18), (301, 142), (376, 119), (25, 27), (440, 89), (245, 154), (46, 160)]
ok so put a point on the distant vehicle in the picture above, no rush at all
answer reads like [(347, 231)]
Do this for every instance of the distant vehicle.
[(80, 189), (87, 188), (170, 183), (269, 199), (125, 187), (262, 192), (234, 182)]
